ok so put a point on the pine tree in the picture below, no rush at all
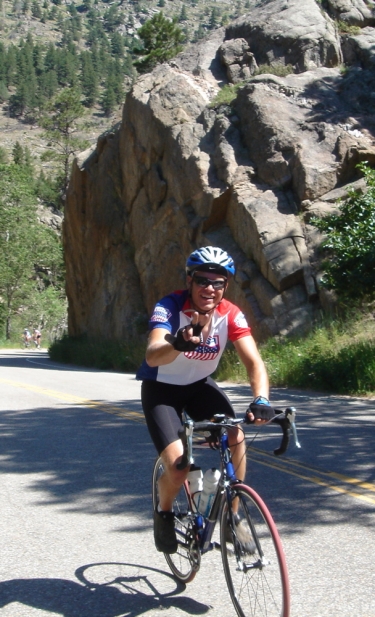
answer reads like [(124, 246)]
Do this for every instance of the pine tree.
[(17, 154), (108, 101), (36, 11), (61, 123), (89, 79), (161, 41), (183, 14)]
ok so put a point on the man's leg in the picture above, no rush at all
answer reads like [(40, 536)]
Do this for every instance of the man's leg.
[(172, 479), (237, 445)]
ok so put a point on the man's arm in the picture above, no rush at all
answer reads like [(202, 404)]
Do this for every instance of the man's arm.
[(159, 351), (255, 367)]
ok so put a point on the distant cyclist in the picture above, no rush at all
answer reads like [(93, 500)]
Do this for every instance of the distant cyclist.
[(26, 337), (37, 337), (189, 332)]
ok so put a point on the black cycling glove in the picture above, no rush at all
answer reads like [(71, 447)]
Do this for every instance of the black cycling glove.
[(178, 341), (261, 409)]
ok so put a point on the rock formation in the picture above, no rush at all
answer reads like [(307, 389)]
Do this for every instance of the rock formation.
[(182, 171)]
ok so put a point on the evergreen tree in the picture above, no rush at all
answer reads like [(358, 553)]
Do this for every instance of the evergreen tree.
[(4, 94), (11, 66), (183, 14), (117, 44), (17, 153), (89, 79), (36, 11), (161, 41), (27, 248), (214, 18), (108, 101), (61, 123)]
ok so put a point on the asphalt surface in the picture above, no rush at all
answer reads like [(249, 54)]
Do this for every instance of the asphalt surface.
[(75, 517)]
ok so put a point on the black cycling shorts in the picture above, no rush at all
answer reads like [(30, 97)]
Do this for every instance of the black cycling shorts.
[(163, 404)]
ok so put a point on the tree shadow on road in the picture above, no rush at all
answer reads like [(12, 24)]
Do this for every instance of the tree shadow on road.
[(88, 461)]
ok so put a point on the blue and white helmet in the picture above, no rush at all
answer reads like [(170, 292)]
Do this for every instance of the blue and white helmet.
[(211, 259)]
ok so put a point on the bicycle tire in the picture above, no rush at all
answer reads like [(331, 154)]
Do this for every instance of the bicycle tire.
[(258, 583), (185, 562)]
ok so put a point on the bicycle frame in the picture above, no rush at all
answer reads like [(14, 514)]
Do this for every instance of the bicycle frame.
[(228, 477)]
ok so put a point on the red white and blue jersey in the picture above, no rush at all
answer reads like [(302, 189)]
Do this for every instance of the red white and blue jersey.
[(174, 312)]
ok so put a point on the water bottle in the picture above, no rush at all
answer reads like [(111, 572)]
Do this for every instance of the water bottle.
[(195, 481), (210, 481)]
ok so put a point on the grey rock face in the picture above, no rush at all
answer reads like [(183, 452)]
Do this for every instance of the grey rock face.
[(292, 32), (354, 12), (247, 175)]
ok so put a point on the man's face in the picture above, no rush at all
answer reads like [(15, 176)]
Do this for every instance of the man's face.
[(203, 294)]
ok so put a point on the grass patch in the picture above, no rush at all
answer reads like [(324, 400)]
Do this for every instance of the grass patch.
[(226, 95), (345, 28), (275, 68), (336, 358), (96, 353)]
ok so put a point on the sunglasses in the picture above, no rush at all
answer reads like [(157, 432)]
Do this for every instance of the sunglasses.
[(203, 281)]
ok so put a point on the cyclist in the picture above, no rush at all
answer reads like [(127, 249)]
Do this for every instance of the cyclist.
[(26, 337), (189, 331), (37, 337)]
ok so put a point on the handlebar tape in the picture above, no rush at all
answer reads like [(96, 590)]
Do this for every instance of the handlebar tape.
[(285, 424)]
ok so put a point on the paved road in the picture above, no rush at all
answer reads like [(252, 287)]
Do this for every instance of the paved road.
[(75, 518)]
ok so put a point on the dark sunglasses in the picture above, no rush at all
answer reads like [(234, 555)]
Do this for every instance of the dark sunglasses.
[(203, 281)]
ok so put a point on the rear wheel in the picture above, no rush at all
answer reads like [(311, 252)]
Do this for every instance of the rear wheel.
[(185, 563), (253, 558)]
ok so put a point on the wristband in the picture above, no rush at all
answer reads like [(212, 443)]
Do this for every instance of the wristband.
[(261, 400)]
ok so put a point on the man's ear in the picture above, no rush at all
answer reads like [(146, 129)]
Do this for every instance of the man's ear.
[(189, 280)]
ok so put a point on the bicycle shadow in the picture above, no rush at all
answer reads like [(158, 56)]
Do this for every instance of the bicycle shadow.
[(113, 590)]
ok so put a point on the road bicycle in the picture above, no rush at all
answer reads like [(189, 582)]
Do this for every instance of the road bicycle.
[(257, 577)]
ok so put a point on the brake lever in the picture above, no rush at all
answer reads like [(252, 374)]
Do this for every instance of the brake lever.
[(286, 423)]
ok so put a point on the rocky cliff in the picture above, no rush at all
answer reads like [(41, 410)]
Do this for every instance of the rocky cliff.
[(182, 172)]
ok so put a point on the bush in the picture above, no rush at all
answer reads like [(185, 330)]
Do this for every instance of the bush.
[(349, 267), (276, 68), (226, 95), (97, 353), (336, 357)]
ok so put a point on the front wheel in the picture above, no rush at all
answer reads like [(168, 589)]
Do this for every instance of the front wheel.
[(185, 563), (253, 557)]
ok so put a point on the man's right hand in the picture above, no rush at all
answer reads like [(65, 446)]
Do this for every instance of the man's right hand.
[(189, 337)]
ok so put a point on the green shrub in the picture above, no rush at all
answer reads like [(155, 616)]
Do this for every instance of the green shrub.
[(345, 28), (226, 95), (337, 357), (98, 353), (275, 68), (349, 267)]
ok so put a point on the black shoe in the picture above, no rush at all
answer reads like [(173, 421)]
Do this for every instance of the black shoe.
[(164, 533), (243, 535)]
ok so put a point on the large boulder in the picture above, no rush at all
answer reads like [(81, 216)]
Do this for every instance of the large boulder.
[(184, 171), (354, 12), (292, 32), (292, 139)]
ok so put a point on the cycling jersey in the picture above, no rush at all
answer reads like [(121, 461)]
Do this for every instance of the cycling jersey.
[(174, 312)]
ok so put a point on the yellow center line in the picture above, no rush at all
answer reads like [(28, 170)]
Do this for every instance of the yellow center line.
[(280, 465), (330, 474), (313, 479), (77, 400)]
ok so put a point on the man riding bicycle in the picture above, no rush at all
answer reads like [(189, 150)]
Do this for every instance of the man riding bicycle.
[(189, 331)]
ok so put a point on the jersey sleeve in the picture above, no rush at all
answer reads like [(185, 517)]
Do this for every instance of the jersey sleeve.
[(166, 313), (237, 324)]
